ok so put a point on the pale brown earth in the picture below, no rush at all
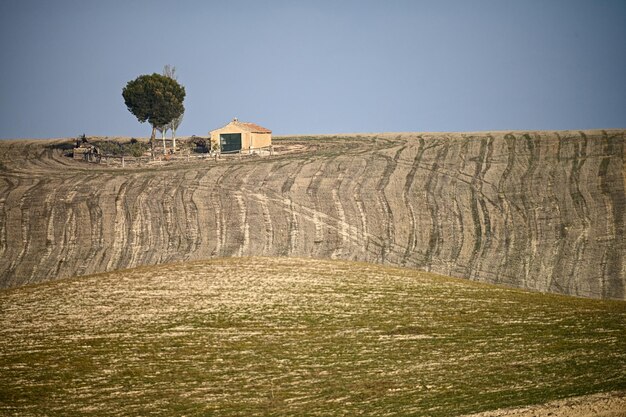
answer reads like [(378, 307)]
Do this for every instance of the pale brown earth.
[(611, 404), (535, 210)]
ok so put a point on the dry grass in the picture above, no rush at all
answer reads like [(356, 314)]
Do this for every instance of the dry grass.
[(259, 336)]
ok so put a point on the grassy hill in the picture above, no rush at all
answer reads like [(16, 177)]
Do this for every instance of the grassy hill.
[(289, 336)]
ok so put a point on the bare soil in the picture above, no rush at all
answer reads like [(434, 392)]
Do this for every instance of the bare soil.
[(544, 211), (611, 404)]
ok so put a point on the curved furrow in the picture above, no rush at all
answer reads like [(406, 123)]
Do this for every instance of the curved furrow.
[(476, 209), (359, 235), (55, 223), (244, 224), (416, 191), (166, 209), (265, 233), (96, 226), (6, 187), (342, 225), (147, 221), (615, 207), (507, 234), (120, 224), (387, 214), (294, 226), (56, 232), (523, 244), (363, 235), (408, 185), (436, 239), (486, 221), (74, 232), (275, 213), (188, 223), (464, 196), (69, 242), (206, 221), (336, 209), (312, 191), (303, 213), (581, 227), (220, 232), (23, 199), (232, 232), (268, 241), (556, 220), (546, 214), (182, 229), (37, 218), (457, 238), (293, 232), (243, 211)]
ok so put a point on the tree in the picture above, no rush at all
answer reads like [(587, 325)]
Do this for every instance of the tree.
[(170, 72), (163, 130), (155, 99)]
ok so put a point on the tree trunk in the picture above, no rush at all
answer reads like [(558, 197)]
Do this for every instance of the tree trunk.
[(164, 148), (152, 138), (174, 139)]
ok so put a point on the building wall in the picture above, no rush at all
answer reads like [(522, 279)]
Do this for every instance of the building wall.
[(215, 135), (248, 139), (261, 140)]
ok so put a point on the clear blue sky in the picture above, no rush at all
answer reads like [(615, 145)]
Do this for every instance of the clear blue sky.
[(316, 66)]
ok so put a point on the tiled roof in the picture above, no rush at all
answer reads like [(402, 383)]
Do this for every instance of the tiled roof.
[(254, 128), (250, 127)]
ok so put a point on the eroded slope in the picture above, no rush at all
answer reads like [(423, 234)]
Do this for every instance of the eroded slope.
[(537, 210)]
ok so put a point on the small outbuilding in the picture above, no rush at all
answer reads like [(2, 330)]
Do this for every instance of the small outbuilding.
[(241, 137)]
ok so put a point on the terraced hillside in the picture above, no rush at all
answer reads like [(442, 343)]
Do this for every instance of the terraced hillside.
[(306, 337), (536, 210)]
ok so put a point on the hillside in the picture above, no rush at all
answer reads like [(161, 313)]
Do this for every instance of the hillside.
[(536, 210), (288, 336)]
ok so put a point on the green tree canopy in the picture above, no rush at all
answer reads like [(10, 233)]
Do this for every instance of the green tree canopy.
[(155, 99)]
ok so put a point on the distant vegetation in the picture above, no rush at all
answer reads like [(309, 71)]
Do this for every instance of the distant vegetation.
[(156, 99), (118, 148), (199, 145)]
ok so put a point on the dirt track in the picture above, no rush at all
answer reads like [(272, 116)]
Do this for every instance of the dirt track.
[(536, 210), (597, 405)]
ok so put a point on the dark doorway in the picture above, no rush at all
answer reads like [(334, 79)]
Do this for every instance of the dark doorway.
[(230, 142)]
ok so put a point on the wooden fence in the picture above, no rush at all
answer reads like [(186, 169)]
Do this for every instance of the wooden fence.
[(124, 160)]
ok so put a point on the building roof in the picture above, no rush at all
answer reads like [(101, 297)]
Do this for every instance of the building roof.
[(250, 127), (254, 128)]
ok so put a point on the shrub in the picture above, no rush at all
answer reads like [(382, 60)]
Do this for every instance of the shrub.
[(114, 148), (202, 145)]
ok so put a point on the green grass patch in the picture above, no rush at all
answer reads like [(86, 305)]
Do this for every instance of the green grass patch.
[(256, 336)]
